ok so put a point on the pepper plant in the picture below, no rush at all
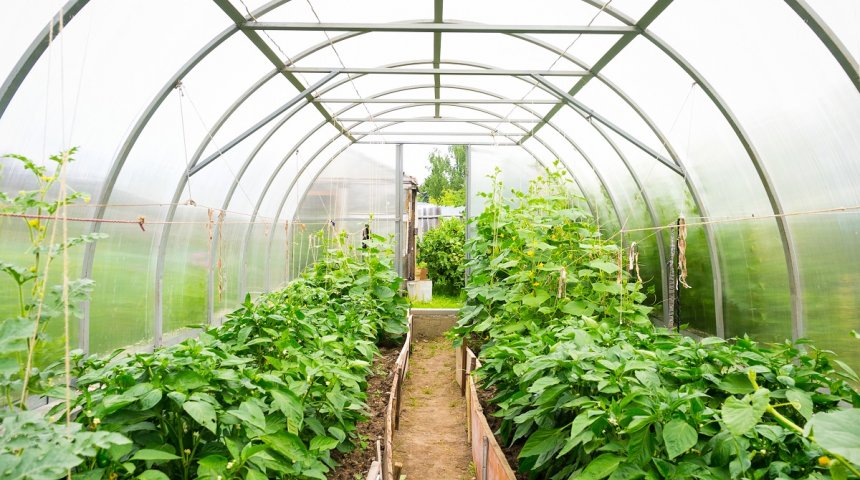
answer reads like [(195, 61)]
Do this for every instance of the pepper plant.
[(587, 387)]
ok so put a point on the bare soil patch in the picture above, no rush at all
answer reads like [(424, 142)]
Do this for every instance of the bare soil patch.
[(431, 442)]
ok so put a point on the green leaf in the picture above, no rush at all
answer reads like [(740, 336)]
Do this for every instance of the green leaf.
[(291, 406), (576, 308), (535, 299), (736, 383), (600, 467), (287, 444), (837, 432), (542, 441), (603, 266), (322, 443), (251, 414), (187, 380), (678, 436), (203, 413), (14, 333), (153, 475), (740, 416), (801, 401), (152, 455)]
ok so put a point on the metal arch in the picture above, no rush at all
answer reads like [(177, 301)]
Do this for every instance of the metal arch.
[(322, 169), (438, 6), (710, 237), (795, 285), (830, 40), (35, 50), (274, 174)]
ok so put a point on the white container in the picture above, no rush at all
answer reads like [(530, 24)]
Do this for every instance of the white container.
[(420, 290)]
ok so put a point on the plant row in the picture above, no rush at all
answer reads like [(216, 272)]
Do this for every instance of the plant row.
[(586, 387), (272, 393)]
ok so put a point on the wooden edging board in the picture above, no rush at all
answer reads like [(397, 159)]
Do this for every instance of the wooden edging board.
[(488, 457), (386, 469)]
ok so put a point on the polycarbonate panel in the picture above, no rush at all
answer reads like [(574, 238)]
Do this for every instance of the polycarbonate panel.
[(517, 168), (842, 16), (18, 28), (345, 11), (186, 263), (672, 199), (604, 213), (803, 122), (355, 188), (545, 12)]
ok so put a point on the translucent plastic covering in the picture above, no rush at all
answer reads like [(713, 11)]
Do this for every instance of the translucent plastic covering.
[(237, 128)]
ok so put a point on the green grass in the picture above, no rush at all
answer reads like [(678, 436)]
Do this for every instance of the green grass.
[(443, 301)]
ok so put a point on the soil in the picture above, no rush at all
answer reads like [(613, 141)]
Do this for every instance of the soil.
[(356, 463), (431, 442)]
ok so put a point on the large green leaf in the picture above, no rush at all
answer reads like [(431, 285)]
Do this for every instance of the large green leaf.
[(679, 436), (740, 416), (604, 266), (837, 432), (536, 299), (801, 401), (541, 442), (291, 406), (600, 467), (203, 413), (153, 475), (287, 444), (155, 456)]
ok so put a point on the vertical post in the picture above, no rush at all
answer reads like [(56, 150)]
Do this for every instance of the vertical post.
[(485, 455), (669, 298), (398, 210), (467, 214)]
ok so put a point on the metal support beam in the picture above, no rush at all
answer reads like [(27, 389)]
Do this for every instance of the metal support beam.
[(437, 53), (434, 27), (267, 51), (265, 121), (467, 177), (431, 101), (440, 119), (491, 133), (613, 51), (398, 209), (591, 114), (436, 71)]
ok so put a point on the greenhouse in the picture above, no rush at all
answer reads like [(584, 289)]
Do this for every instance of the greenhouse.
[(308, 239)]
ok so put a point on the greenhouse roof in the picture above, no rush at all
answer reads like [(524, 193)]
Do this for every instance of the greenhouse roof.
[(742, 116)]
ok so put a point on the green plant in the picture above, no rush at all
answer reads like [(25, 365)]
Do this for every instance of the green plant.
[(445, 185), (271, 393), (31, 445), (589, 388), (442, 249)]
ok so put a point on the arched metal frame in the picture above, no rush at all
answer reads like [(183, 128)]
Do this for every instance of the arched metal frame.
[(809, 16)]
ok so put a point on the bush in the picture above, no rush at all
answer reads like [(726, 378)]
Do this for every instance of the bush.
[(442, 249)]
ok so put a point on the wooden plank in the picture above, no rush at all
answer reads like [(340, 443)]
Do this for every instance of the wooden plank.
[(375, 471), (497, 464), (398, 467)]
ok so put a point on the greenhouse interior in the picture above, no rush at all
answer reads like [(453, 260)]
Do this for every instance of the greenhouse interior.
[(454, 240)]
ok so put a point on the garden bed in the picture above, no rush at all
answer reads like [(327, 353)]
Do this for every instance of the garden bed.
[(355, 463)]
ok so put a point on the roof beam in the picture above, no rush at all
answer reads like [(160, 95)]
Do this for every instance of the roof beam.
[(440, 120), (432, 101), (613, 51), (435, 27), (437, 53), (437, 71), (447, 134), (267, 51), (591, 114)]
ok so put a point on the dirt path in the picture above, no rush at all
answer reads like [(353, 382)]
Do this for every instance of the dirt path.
[(431, 442)]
